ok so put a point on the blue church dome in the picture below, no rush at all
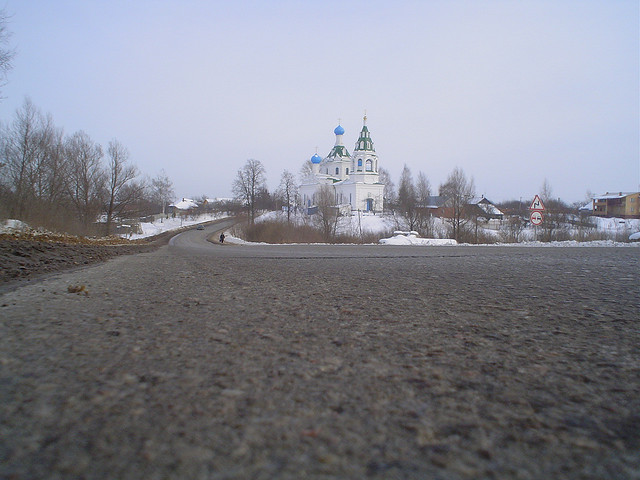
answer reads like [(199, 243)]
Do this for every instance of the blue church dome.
[(339, 130), (316, 158)]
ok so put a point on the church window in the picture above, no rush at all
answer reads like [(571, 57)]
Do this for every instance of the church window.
[(369, 166), (337, 170), (359, 162), (347, 170)]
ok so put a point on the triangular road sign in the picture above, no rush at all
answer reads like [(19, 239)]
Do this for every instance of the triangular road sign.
[(537, 204)]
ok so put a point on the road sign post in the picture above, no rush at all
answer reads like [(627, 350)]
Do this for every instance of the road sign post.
[(536, 217), (537, 205)]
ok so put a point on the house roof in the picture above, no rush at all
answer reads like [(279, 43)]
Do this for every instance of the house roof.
[(489, 208), (613, 195), (185, 204)]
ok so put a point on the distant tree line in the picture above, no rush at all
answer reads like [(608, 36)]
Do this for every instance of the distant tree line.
[(69, 182)]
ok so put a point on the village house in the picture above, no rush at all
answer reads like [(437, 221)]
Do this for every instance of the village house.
[(620, 204)]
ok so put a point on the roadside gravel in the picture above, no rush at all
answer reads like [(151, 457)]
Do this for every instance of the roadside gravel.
[(25, 258), (448, 363)]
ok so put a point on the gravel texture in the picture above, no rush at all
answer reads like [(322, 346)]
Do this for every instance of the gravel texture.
[(334, 362), (23, 259)]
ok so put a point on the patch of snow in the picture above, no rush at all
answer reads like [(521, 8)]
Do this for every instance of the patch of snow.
[(401, 238), (228, 238), (149, 229), (615, 224), (11, 225), (566, 243)]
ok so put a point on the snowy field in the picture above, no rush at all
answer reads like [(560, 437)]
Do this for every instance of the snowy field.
[(369, 223)]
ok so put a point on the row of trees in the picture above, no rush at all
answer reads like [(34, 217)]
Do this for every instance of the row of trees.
[(410, 202), (63, 181), (250, 189), (414, 198)]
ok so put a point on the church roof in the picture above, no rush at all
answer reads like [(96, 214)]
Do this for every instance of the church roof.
[(364, 143), (339, 151)]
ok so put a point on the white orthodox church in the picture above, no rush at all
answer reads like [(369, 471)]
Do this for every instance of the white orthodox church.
[(354, 179)]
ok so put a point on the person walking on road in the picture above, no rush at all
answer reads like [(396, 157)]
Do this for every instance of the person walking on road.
[(222, 237)]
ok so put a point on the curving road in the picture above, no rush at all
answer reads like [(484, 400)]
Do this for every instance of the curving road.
[(215, 361)]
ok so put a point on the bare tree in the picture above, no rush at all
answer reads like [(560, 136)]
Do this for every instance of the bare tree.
[(306, 170), (22, 142), (48, 175), (554, 225), (458, 191), (407, 199), (250, 180), (35, 167), (6, 52), (162, 190), (28, 150), (287, 192), (423, 189), (423, 214), (327, 215), (57, 169), (546, 191), (120, 175), (87, 179), (389, 198)]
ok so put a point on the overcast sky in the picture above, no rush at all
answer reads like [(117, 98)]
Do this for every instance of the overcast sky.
[(512, 92)]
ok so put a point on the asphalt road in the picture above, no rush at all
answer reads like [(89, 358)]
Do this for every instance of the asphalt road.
[(202, 360)]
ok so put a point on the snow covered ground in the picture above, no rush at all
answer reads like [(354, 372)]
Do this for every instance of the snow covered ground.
[(378, 224), (355, 224), (369, 223), (150, 229)]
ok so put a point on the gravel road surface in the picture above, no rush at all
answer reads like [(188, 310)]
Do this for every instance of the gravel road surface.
[(210, 361)]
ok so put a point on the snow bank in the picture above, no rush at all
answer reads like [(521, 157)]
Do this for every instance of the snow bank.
[(402, 238), (567, 243)]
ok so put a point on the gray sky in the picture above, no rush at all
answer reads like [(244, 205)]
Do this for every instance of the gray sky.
[(512, 92)]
